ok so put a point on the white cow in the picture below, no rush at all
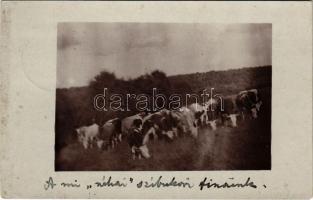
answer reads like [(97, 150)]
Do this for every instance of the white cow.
[(87, 134)]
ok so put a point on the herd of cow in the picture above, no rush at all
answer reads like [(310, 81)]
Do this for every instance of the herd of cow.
[(167, 125)]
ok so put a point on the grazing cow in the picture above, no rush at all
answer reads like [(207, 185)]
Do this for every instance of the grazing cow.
[(127, 123), (111, 132), (249, 102), (87, 134), (199, 112), (136, 141), (161, 124), (229, 111)]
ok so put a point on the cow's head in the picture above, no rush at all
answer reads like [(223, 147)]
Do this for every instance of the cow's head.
[(233, 119), (169, 134), (258, 105), (80, 134)]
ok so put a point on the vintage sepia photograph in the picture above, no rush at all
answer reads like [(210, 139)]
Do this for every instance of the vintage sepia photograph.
[(163, 96)]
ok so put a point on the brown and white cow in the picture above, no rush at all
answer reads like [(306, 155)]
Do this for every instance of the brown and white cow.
[(249, 103), (128, 122), (229, 110), (110, 133), (160, 125)]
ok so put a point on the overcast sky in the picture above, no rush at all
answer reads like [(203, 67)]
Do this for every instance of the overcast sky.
[(132, 49)]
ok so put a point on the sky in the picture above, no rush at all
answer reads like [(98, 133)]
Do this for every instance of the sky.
[(133, 49)]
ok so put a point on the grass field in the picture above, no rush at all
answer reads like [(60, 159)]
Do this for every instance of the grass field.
[(246, 147)]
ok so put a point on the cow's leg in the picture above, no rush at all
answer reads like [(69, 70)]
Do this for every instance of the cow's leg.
[(99, 144), (85, 143), (155, 136), (175, 131), (89, 143), (108, 145), (115, 141), (194, 131), (181, 129), (132, 152), (112, 143), (93, 141), (206, 121), (223, 120)]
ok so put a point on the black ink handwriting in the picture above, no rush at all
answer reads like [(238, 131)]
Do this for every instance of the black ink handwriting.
[(211, 184)]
